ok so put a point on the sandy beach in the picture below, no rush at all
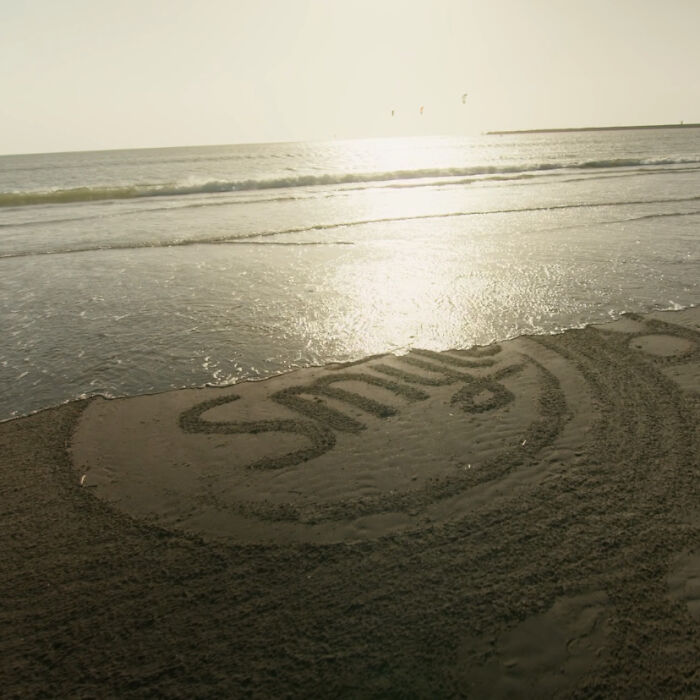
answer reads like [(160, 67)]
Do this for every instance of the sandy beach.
[(517, 520)]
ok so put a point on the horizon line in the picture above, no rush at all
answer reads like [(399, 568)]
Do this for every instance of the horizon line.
[(498, 132)]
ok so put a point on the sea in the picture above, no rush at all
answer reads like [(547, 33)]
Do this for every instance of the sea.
[(138, 271)]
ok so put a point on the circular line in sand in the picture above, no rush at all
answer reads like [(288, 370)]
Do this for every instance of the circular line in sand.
[(247, 467)]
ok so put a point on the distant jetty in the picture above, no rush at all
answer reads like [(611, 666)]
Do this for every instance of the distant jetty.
[(597, 128)]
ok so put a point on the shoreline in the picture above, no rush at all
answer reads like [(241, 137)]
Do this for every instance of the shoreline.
[(208, 385), (516, 518)]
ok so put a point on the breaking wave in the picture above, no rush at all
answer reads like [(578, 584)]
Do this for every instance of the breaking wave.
[(136, 191)]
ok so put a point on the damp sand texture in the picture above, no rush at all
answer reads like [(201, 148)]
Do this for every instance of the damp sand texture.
[(521, 520)]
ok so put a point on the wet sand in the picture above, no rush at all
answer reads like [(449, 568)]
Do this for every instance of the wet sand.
[(521, 520)]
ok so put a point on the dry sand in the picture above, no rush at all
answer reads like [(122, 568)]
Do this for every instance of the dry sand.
[(521, 520)]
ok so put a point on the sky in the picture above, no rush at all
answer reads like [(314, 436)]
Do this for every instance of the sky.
[(97, 74)]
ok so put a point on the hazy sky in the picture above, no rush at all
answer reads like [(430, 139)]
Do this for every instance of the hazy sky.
[(91, 74)]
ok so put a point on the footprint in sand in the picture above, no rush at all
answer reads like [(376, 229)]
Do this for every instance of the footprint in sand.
[(541, 657)]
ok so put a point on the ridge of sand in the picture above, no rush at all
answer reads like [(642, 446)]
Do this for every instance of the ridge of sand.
[(521, 520)]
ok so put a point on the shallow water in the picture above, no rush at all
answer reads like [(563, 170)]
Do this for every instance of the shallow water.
[(126, 272)]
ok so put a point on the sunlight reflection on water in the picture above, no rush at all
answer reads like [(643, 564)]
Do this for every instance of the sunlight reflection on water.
[(339, 253)]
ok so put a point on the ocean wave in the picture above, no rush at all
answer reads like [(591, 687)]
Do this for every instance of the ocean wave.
[(661, 215), (136, 191), (250, 238)]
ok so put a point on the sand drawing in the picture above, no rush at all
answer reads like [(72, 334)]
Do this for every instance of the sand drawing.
[(354, 401), (323, 418), (393, 443)]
